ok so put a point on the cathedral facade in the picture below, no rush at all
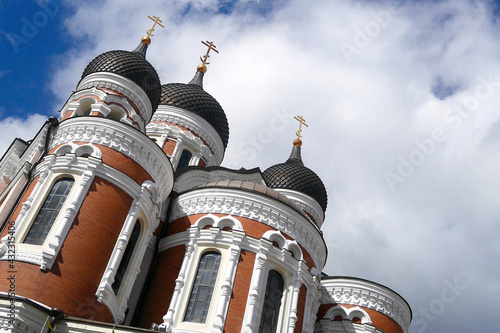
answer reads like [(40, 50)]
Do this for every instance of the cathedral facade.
[(117, 217)]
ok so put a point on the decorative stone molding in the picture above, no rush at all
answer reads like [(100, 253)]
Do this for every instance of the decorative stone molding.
[(218, 222), (78, 150), (122, 138), (289, 245), (368, 295), (123, 86), (349, 314), (175, 115), (249, 205)]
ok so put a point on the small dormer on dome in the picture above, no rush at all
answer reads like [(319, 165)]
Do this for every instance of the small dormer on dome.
[(132, 65), (193, 98), (119, 85)]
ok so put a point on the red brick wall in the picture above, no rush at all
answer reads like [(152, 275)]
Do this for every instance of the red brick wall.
[(161, 288), (239, 296)]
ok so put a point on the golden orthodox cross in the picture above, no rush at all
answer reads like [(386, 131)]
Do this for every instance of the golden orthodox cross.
[(156, 21), (211, 46), (301, 121)]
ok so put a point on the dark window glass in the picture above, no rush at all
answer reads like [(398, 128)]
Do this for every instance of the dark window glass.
[(127, 255), (272, 303), (185, 158), (48, 212), (203, 288)]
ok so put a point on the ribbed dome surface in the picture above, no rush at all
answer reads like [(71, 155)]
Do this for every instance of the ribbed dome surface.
[(131, 65), (293, 175), (193, 98)]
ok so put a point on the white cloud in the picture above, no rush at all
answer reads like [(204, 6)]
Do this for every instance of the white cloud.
[(12, 127), (371, 112)]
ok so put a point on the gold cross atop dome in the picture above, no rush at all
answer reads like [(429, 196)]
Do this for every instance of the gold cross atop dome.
[(204, 60), (156, 20), (297, 142), (211, 46)]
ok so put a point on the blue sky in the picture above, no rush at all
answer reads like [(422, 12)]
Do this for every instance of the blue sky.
[(376, 80)]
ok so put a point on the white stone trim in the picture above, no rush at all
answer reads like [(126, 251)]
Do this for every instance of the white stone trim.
[(306, 203), (348, 313), (121, 138), (256, 207), (144, 209), (176, 115), (122, 85), (218, 222), (368, 295)]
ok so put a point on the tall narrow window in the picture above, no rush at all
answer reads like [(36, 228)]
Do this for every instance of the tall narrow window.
[(272, 303), (203, 288), (48, 212), (127, 256), (185, 158)]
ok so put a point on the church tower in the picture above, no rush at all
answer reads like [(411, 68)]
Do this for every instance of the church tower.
[(95, 195)]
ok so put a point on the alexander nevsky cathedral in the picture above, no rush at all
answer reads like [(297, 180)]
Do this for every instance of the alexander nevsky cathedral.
[(117, 217)]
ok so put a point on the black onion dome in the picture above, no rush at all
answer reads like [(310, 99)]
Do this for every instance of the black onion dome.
[(132, 65), (293, 175), (193, 98)]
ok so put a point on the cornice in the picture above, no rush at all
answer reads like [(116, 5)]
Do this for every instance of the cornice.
[(256, 207), (121, 138), (369, 295)]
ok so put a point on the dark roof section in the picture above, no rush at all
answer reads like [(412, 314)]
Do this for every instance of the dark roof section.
[(193, 98), (293, 175), (131, 65)]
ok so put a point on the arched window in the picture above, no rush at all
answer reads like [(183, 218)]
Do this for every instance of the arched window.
[(127, 256), (49, 211), (272, 303), (185, 158), (203, 288)]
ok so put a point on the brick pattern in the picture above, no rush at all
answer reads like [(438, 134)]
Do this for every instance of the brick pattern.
[(160, 290), (239, 295)]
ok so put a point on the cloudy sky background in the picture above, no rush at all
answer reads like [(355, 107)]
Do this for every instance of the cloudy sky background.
[(401, 98)]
